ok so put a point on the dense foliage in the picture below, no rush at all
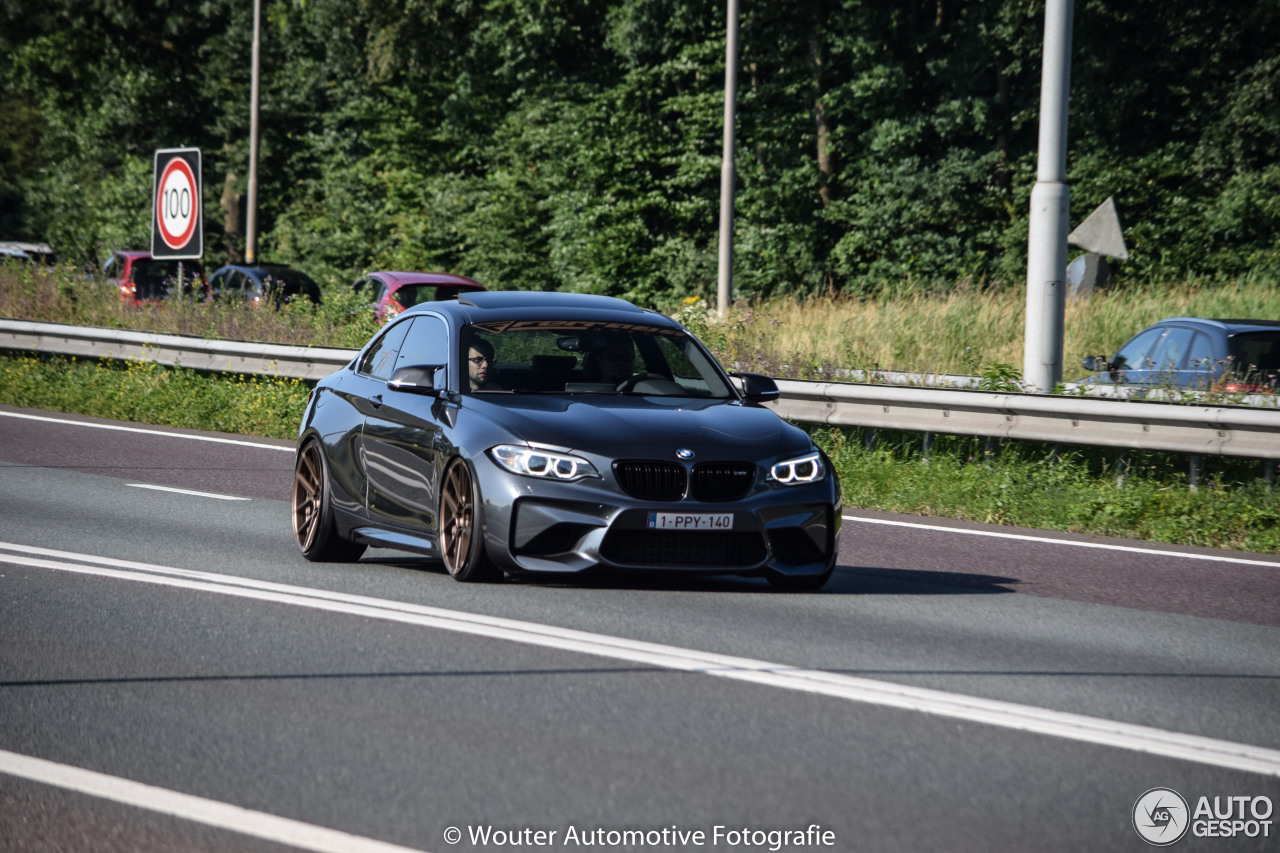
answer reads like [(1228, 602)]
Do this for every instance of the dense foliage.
[(576, 144)]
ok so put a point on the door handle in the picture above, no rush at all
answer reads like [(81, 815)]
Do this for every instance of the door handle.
[(376, 399)]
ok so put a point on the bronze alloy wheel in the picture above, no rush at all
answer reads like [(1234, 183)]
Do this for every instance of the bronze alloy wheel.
[(313, 525), (308, 497), (461, 544)]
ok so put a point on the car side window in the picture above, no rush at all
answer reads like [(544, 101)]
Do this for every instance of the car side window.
[(1171, 354), (1135, 354), (427, 342), (1200, 355), (379, 360)]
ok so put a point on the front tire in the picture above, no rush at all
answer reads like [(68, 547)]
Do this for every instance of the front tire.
[(461, 527), (313, 525)]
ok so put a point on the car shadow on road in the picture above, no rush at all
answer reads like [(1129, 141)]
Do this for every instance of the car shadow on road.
[(870, 580)]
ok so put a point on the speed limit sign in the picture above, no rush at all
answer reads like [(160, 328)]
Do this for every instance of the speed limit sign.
[(177, 228)]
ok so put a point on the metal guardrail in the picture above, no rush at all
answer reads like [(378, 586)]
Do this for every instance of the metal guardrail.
[(290, 362), (1192, 429)]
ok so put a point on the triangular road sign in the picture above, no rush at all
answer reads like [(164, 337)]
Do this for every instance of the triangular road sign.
[(1101, 233)]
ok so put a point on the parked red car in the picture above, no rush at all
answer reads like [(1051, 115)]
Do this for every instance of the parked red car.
[(144, 279), (393, 292)]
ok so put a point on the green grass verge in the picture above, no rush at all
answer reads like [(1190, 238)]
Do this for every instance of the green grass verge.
[(143, 391), (1075, 489), (1017, 484)]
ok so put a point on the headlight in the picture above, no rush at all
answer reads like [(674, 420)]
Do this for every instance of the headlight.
[(532, 462), (804, 469)]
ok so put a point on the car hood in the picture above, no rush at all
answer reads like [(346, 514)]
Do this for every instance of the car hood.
[(643, 427)]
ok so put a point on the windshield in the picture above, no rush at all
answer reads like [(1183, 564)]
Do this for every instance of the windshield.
[(549, 357), (291, 282)]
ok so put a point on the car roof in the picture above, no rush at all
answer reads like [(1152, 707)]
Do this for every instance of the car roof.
[(30, 248), (262, 267), (487, 306), (404, 277), (1229, 326)]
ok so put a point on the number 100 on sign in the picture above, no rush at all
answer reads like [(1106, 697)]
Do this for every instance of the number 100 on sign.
[(176, 231)]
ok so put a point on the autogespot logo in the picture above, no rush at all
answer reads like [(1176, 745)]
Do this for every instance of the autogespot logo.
[(1161, 817)]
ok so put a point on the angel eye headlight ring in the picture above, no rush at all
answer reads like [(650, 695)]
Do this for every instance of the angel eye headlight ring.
[(543, 464), (803, 469)]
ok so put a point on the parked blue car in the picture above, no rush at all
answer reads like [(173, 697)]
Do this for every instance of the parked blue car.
[(1195, 354)]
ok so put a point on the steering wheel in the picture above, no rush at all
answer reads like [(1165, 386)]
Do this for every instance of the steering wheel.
[(629, 384)]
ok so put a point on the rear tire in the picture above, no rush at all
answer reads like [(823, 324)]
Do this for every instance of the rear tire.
[(313, 526), (462, 527)]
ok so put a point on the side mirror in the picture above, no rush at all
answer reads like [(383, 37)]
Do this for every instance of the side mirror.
[(1096, 363), (417, 379), (757, 389)]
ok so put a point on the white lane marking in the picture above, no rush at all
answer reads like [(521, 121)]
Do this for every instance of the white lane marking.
[(119, 428), (1202, 750), (995, 534), (281, 830), (186, 492)]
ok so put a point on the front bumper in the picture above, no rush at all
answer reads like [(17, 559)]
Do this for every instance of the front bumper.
[(545, 527)]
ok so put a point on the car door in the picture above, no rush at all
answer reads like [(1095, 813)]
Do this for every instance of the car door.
[(359, 394), (402, 434), (1203, 366), (1134, 362)]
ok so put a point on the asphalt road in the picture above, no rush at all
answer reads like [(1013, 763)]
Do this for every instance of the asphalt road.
[(191, 683)]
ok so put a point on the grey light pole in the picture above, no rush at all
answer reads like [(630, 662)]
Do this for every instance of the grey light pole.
[(251, 217), (724, 288), (1050, 209)]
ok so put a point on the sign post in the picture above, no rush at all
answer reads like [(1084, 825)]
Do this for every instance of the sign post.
[(177, 223)]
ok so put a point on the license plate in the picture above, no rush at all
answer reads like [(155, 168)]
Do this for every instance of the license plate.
[(690, 521)]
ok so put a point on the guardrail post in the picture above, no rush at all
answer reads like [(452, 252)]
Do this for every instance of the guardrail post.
[(1269, 473), (1195, 464), (926, 446), (1122, 467)]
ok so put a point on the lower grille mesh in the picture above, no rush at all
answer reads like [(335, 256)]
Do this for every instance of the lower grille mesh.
[(683, 549)]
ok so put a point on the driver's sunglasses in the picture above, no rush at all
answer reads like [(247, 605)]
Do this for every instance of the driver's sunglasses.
[(480, 359)]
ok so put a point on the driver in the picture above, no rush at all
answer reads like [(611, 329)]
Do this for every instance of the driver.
[(617, 360), (479, 363)]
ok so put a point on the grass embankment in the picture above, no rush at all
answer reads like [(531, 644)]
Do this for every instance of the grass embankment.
[(962, 332)]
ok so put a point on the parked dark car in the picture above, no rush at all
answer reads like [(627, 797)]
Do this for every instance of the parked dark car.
[(272, 283), (143, 279), (392, 292), (1190, 353), (552, 433)]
